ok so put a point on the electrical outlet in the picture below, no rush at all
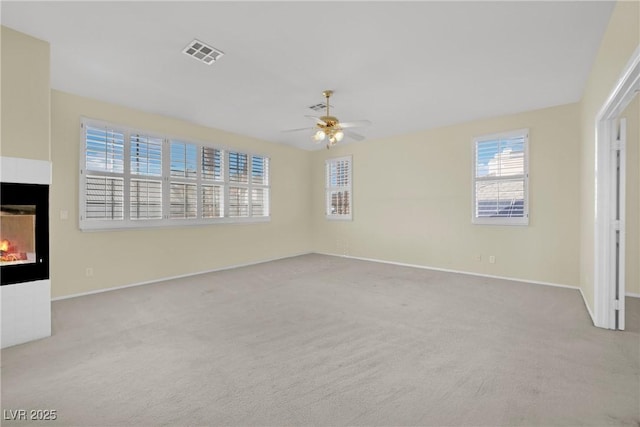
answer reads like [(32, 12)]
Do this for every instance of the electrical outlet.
[(478, 257), (492, 259), (88, 272)]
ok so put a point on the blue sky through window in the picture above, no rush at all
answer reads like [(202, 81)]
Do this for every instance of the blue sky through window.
[(184, 159), (498, 157)]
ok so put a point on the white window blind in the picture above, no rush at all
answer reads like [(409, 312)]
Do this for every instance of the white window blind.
[(183, 191), (338, 188), (212, 164), (500, 179), (212, 201), (259, 186), (248, 196), (104, 174), (135, 179), (184, 159), (213, 177), (104, 150), (104, 197), (238, 195), (183, 201), (146, 199), (146, 155), (145, 194), (238, 168), (259, 170), (238, 202), (259, 201)]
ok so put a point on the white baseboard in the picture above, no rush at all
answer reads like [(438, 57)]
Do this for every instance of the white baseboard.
[(535, 282), (632, 295), (593, 319), (426, 267), (181, 276)]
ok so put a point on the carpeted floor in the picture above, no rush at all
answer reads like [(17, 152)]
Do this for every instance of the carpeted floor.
[(319, 340)]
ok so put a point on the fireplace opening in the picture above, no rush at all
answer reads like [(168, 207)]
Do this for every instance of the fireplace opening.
[(17, 234), (24, 232)]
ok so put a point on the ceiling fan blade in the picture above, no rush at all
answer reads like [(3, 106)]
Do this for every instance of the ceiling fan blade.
[(355, 124), (353, 135), (296, 130), (317, 120)]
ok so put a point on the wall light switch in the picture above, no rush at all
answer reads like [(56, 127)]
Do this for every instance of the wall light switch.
[(64, 214)]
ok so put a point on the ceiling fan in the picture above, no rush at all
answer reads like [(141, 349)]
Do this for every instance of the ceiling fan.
[(330, 128)]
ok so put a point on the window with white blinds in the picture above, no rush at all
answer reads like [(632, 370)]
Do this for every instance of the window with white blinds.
[(213, 178), (248, 185), (103, 188), (145, 190), (183, 193), (131, 179), (500, 178), (259, 186), (338, 188)]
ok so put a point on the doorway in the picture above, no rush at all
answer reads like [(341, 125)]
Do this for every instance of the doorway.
[(610, 225)]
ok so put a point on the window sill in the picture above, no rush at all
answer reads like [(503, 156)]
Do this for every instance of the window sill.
[(339, 217), (165, 223), (501, 221)]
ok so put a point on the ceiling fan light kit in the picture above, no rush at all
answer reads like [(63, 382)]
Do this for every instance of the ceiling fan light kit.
[(329, 128)]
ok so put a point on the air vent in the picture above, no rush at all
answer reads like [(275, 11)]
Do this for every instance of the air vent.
[(319, 107), (202, 52)]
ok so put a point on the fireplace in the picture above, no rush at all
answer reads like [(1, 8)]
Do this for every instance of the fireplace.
[(24, 233), (25, 291)]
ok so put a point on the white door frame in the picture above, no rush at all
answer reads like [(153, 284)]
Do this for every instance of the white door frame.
[(605, 304)]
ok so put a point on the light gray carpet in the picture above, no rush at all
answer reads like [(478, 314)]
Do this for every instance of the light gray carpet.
[(318, 340)]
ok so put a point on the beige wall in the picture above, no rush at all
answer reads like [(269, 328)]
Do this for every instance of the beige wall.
[(412, 201), (126, 257), (632, 211), (25, 116), (619, 42)]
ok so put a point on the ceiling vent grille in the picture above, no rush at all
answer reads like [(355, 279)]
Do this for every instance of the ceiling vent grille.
[(202, 52), (319, 107)]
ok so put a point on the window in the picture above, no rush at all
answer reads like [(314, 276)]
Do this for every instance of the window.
[(338, 188), (183, 185), (136, 179), (238, 185), (104, 178), (212, 188), (500, 179), (145, 192), (259, 186)]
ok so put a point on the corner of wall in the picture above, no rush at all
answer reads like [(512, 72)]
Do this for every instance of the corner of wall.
[(620, 40), (25, 96)]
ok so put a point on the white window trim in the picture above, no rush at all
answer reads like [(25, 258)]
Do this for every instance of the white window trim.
[(166, 222), (328, 189), (524, 220)]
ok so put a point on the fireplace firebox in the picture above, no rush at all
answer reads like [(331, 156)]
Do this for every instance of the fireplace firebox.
[(24, 233)]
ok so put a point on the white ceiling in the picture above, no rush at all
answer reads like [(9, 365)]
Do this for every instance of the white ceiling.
[(406, 66)]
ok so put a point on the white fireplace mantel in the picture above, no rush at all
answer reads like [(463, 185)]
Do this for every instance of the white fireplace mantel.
[(25, 171)]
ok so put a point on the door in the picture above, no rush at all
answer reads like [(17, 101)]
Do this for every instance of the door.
[(618, 169), (610, 229)]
